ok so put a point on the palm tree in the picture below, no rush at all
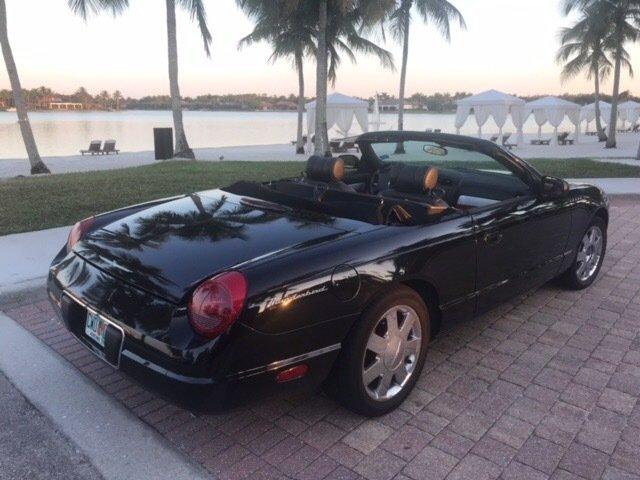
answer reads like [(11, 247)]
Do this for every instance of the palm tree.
[(197, 11), (117, 98), (287, 28), (623, 17), (342, 29), (440, 13), (105, 99), (321, 144), (584, 48), (37, 165)]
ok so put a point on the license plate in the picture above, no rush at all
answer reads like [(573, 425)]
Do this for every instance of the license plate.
[(96, 328)]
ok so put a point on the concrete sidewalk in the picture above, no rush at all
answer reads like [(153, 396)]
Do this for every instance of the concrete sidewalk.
[(32, 447), (25, 258), (117, 443)]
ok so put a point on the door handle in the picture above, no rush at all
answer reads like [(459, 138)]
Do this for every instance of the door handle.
[(492, 238)]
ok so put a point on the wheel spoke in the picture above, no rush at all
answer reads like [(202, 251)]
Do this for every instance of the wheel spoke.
[(376, 343), (401, 373), (392, 323), (582, 256), (385, 383), (411, 346), (407, 325), (375, 370)]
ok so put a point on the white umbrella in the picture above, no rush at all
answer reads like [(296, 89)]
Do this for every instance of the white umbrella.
[(553, 110), (491, 103)]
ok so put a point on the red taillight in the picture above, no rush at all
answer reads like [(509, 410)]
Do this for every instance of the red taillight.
[(78, 231), (292, 373), (217, 303)]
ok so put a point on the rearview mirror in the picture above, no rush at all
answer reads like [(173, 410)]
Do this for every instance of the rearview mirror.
[(553, 187), (436, 150)]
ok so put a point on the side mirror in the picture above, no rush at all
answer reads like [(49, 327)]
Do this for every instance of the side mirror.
[(553, 187)]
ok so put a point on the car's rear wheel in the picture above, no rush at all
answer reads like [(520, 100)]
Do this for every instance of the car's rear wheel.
[(589, 256), (383, 357)]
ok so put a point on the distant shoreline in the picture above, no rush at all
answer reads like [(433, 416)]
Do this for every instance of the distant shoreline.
[(407, 112)]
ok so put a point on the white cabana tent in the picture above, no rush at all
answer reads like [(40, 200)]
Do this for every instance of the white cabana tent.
[(588, 113), (495, 104), (629, 112), (341, 110), (553, 110)]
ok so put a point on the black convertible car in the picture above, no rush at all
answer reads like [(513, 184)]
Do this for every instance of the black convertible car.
[(340, 276)]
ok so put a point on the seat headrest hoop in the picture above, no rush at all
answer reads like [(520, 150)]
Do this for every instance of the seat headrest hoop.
[(325, 169), (415, 179)]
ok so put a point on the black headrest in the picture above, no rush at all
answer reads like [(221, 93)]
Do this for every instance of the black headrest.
[(325, 169), (414, 179)]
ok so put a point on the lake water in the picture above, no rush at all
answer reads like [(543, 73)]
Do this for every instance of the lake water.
[(65, 133)]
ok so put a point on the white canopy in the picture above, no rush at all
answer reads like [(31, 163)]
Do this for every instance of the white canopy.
[(588, 112), (340, 111), (491, 103), (553, 110), (629, 112)]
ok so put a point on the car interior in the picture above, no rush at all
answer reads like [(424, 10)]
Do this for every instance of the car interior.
[(391, 183)]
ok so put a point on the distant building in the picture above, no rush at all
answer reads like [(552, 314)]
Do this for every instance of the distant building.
[(66, 106), (391, 105)]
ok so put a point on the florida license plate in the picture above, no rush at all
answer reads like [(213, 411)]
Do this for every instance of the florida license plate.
[(96, 328)]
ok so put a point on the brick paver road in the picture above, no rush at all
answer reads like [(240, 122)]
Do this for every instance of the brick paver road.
[(545, 386)]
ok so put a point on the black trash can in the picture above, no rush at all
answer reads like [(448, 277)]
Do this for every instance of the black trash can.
[(163, 143)]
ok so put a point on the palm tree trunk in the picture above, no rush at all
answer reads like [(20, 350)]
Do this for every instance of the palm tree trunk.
[(406, 7), (37, 165), (602, 136), (299, 67), (182, 148), (321, 143), (613, 122)]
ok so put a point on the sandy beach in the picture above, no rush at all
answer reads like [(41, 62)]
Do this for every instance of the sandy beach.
[(588, 147)]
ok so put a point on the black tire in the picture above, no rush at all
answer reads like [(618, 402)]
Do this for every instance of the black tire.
[(571, 278), (347, 376)]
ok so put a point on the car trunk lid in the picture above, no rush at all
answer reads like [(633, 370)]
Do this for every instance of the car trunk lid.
[(169, 248)]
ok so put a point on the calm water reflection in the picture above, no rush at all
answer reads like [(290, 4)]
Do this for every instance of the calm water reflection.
[(64, 133)]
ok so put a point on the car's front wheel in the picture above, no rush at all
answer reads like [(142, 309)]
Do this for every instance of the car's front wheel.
[(589, 256), (382, 358)]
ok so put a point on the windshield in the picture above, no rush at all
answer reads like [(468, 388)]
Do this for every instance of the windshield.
[(435, 154)]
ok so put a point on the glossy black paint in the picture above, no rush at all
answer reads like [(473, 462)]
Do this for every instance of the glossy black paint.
[(310, 275)]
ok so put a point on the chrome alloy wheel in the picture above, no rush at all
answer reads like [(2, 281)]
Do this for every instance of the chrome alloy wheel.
[(392, 352), (589, 253)]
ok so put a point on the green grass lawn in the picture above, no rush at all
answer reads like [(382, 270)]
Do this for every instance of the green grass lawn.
[(51, 201)]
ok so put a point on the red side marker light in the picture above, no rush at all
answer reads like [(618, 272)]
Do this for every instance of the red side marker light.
[(292, 373)]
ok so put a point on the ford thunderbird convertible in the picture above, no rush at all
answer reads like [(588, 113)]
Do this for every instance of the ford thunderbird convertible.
[(338, 277)]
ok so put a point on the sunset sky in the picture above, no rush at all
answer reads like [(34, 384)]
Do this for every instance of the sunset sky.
[(509, 45)]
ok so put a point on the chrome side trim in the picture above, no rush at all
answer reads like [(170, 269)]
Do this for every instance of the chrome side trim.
[(108, 320), (285, 362)]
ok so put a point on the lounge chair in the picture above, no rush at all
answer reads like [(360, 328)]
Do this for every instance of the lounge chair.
[(110, 147), (563, 139), (505, 142), (541, 141), (94, 148)]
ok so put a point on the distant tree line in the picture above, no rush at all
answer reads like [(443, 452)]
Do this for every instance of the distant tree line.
[(42, 97), (39, 99)]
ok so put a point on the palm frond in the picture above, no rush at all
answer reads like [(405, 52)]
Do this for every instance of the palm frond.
[(440, 13), (85, 8), (197, 12)]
